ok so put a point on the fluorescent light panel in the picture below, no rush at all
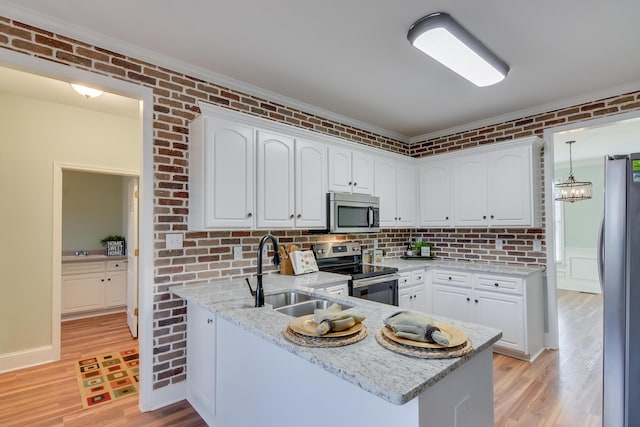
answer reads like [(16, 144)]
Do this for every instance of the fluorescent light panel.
[(85, 91), (441, 37)]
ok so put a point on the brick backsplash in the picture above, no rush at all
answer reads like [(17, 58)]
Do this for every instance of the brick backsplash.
[(208, 255)]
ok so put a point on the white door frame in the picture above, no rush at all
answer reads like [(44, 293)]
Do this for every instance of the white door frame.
[(148, 400), (551, 336)]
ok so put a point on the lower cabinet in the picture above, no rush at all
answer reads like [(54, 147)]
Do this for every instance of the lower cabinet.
[(338, 290), (201, 361), (93, 286), (412, 293), (512, 304)]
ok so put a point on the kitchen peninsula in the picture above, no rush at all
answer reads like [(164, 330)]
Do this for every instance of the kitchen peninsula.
[(252, 375)]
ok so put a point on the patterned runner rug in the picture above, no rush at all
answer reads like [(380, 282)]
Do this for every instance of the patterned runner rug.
[(108, 377)]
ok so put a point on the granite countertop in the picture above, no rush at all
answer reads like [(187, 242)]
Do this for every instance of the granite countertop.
[(414, 264), (366, 364)]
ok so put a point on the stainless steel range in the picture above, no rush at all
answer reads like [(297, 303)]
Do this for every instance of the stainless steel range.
[(372, 282)]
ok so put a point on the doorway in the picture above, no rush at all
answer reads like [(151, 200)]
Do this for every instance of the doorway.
[(97, 204)]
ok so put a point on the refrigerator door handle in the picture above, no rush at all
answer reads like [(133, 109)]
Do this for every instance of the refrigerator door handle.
[(600, 254)]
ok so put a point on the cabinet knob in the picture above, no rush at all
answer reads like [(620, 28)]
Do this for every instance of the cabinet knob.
[(291, 216), (102, 280), (496, 284), (249, 215), (209, 320), (491, 216), (109, 279), (399, 218), (476, 301), (350, 183), (446, 217), (117, 265), (299, 215), (468, 299), (449, 277), (484, 217), (395, 218), (355, 184)]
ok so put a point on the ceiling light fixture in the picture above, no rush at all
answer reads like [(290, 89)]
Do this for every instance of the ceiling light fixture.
[(87, 92), (445, 40), (572, 190)]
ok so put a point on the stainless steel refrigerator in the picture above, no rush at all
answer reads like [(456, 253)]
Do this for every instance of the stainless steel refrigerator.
[(619, 261)]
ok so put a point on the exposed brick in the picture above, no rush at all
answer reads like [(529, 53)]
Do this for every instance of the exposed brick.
[(32, 47), (75, 59)]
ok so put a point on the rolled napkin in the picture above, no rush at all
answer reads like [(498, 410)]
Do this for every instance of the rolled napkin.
[(335, 319), (415, 326)]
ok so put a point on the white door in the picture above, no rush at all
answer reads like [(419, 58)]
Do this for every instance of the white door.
[(510, 187), (504, 312), (453, 302), (132, 256), (340, 170), (406, 199), (435, 194), (275, 204), (311, 184), (470, 190), (385, 188), (362, 173)]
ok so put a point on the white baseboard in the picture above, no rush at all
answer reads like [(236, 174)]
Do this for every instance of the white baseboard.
[(27, 358)]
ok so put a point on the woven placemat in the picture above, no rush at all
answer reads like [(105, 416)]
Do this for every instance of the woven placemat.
[(308, 341), (424, 353)]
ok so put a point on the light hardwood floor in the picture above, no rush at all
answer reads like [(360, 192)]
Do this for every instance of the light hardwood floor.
[(561, 388)]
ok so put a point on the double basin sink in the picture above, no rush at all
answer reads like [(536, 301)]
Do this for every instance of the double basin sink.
[(296, 304)]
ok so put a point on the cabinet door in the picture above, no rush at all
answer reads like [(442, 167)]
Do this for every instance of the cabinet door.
[(275, 181), (201, 361), (510, 187), (340, 170), (311, 184), (504, 312), (470, 191), (404, 298), (115, 288), (419, 302), (385, 188), (362, 172), (228, 175), (82, 292), (452, 302), (406, 199), (435, 194)]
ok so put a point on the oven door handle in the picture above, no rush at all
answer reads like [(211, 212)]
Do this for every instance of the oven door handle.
[(374, 281)]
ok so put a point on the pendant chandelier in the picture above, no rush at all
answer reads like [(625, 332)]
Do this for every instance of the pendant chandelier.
[(572, 190)]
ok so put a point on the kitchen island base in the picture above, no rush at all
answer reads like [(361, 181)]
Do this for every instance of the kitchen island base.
[(259, 383)]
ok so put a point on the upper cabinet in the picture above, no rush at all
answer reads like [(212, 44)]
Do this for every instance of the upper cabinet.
[(434, 183), (221, 174), (311, 184), (495, 186), (395, 184), (350, 171)]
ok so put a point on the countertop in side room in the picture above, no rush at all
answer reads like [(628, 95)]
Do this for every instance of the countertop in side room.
[(415, 264)]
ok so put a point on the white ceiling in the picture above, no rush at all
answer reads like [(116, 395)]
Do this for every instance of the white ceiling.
[(352, 57)]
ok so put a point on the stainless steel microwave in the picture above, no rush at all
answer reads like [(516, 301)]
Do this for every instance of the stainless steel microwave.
[(353, 213)]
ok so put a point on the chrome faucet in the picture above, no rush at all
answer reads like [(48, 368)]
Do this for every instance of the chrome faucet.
[(276, 261)]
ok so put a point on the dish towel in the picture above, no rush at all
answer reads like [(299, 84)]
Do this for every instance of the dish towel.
[(335, 319), (415, 326)]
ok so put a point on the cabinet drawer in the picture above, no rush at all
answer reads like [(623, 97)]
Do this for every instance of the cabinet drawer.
[(510, 285), (79, 267), (445, 277), (116, 265), (404, 280), (417, 277)]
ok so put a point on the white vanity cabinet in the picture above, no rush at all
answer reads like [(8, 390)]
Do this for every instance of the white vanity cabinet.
[(91, 288), (201, 361), (513, 304), (412, 293), (350, 171), (221, 174)]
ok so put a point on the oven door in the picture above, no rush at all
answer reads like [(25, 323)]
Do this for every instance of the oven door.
[(382, 289)]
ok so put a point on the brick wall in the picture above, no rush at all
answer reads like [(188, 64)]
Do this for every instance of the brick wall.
[(208, 255)]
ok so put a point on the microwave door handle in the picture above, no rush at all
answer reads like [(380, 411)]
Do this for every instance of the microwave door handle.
[(370, 216)]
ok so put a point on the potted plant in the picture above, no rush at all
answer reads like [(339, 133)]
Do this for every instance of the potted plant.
[(115, 244)]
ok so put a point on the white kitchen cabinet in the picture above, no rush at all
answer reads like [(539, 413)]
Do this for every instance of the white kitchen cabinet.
[(350, 171), (291, 182), (338, 290), (513, 304), (395, 185), (311, 184), (221, 174), (275, 180), (91, 288), (412, 292), (470, 190), (201, 361), (434, 186)]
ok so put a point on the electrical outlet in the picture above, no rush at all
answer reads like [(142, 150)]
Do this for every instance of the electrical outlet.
[(237, 253), (418, 239), (537, 245), (174, 241), (499, 244), (265, 251), (375, 243)]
